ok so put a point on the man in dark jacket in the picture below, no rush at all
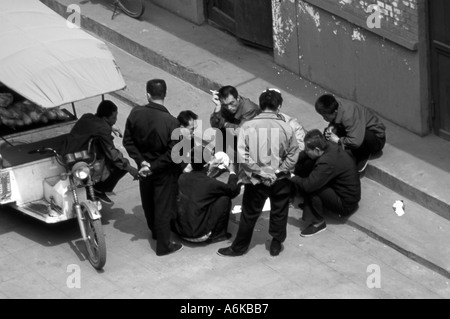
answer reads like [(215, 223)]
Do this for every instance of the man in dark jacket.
[(327, 177), (148, 140), (230, 112), (99, 127), (204, 203)]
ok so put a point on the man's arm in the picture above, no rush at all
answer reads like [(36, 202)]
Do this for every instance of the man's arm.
[(165, 161), (355, 127), (113, 154), (129, 144), (318, 178), (292, 153), (216, 120)]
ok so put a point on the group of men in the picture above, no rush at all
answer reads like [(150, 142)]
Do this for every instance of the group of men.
[(271, 155)]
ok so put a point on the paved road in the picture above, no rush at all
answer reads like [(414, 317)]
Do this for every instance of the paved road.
[(43, 261)]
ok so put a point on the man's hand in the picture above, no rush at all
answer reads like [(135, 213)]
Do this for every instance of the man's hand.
[(116, 131), (330, 136), (134, 172), (145, 163), (188, 168), (145, 171), (216, 100), (231, 168), (268, 179)]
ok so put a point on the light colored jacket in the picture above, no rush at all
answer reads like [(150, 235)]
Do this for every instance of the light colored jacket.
[(266, 144), (299, 131)]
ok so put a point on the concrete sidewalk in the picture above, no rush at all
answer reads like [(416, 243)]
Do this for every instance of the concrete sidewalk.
[(416, 169)]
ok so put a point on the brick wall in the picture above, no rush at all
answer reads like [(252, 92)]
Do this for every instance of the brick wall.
[(397, 16)]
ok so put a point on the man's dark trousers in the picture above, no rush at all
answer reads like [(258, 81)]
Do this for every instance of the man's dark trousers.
[(253, 202), (110, 183), (220, 213), (160, 212)]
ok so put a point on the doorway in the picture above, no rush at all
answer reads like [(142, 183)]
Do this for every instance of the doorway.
[(249, 20), (439, 12)]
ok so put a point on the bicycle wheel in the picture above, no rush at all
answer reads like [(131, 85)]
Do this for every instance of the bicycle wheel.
[(132, 8), (96, 244)]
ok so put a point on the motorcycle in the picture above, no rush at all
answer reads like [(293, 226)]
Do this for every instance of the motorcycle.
[(82, 170)]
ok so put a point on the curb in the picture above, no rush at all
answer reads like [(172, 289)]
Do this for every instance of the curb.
[(410, 192)]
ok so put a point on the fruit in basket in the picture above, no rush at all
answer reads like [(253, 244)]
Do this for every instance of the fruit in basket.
[(12, 123), (26, 119), (61, 115), (23, 113), (43, 118), (6, 99), (51, 114), (34, 116), (6, 113)]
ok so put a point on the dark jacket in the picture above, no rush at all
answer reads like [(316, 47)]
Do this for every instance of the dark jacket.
[(337, 170), (148, 137), (225, 119), (91, 126), (197, 193)]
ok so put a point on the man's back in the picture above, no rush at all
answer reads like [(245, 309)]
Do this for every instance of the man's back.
[(148, 133), (335, 169), (198, 200), (87, 127), (356, 119), (269, 142)]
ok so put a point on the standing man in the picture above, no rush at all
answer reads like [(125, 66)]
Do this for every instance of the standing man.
[(148, 141), (267, 152), (353, 127), (327, 177), (99, 126)]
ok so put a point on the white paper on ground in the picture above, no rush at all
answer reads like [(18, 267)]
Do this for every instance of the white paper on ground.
[(236, 209), (266, 207), (399, 207)]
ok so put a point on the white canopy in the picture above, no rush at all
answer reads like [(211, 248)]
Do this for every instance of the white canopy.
[(49, 63)]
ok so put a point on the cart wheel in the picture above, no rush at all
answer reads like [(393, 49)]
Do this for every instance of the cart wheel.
[(95, 244)]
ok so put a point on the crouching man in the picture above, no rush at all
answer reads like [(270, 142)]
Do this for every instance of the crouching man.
[(204, 203), (327, 177)]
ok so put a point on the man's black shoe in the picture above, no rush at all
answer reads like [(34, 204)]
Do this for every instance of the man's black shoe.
[(103, 197), (228, 252), (275, 247), (312, 229), (218, 238), (173, 248)]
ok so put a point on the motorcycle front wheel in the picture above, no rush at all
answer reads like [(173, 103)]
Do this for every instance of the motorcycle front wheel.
[(95, 243)]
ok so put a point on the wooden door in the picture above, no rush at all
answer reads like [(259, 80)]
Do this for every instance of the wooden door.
[(249, 20), (221, 13), (440, 65), (254, 22)]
